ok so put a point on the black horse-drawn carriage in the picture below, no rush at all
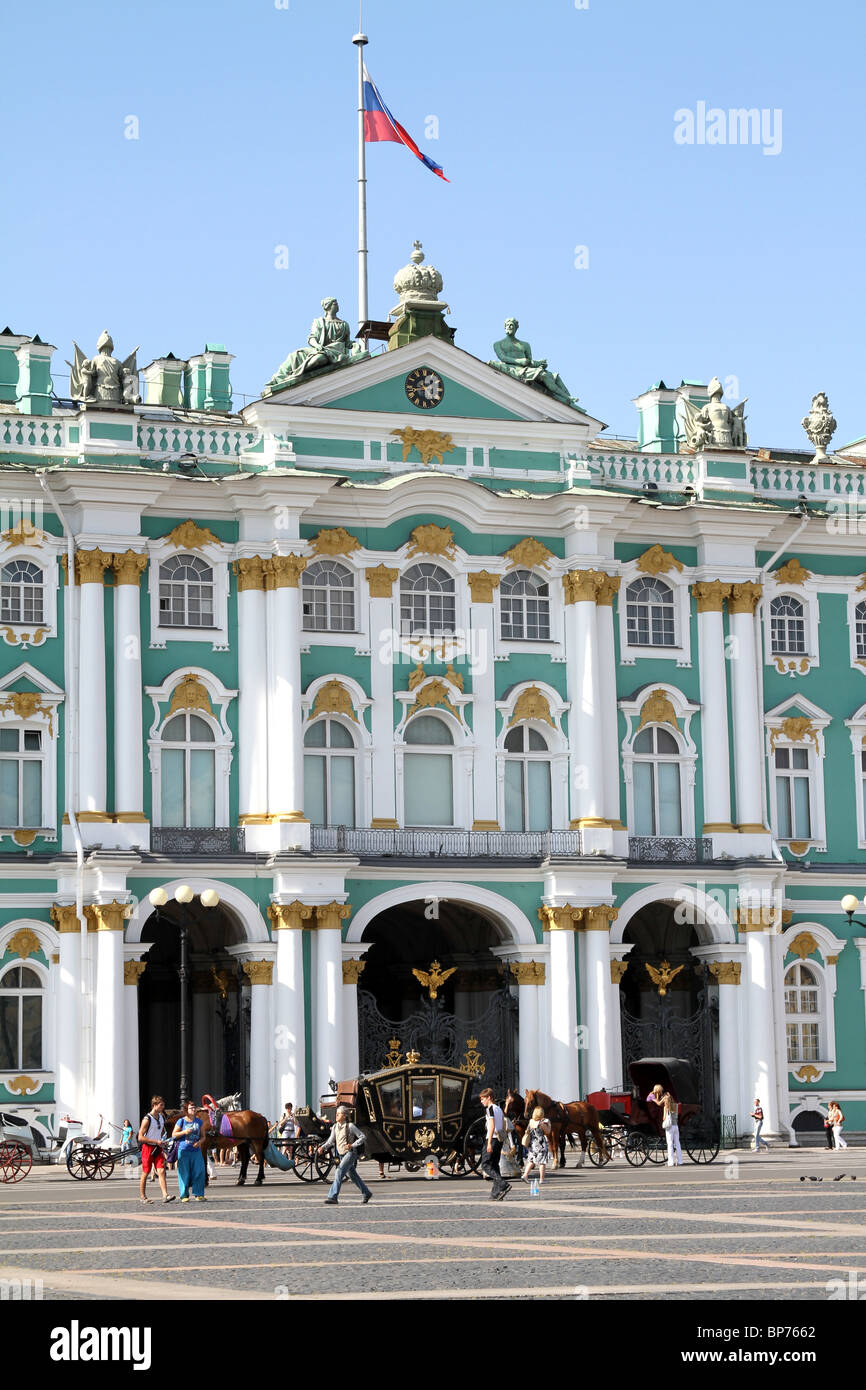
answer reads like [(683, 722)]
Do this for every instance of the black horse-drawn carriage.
[(632, 1122)]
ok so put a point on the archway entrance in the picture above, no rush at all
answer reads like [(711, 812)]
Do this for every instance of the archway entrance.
[(672, 1009), (472, 1022), (219, 1004)]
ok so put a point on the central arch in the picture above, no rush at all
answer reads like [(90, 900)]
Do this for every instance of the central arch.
[(514, 925)]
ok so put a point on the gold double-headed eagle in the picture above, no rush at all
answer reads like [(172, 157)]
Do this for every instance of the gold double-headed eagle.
[(434, 978), (663, 976)]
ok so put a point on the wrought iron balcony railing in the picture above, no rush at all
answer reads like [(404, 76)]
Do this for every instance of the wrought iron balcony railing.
[(675, 849), (448, 844), (227, 839)]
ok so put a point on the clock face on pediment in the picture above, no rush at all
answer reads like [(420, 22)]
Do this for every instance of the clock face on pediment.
[(424, 387)]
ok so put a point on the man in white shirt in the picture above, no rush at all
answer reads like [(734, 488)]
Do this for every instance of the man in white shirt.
[(492, 1151)]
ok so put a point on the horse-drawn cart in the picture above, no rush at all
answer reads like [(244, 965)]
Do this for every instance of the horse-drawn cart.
[(633, 1122)]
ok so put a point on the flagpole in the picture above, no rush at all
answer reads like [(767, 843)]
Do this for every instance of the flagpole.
[(360, 40)]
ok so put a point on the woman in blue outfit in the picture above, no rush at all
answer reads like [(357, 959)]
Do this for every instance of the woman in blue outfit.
[(190, 1159)]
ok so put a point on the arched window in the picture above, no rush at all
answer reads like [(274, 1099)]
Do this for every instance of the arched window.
[(787, 626), (650, 613), (328, 596), (428, 775), (329, 774), (186, 592), (802, 1014), (20, 1020), (427, 602), (860, 629), (657, 784), (524, 606), (188, 772), (21, 593), (21, 776), (527, 780)]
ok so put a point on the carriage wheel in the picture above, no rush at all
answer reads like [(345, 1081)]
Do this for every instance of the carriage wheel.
[(635, 1150), (305, 1160), (411, 1166), (473, 1144), (452, 1164), (656, 1148), (701, 1140), (599, 1155), (323, 1163), (15, 1162), (104, 1166), (81, 1162)]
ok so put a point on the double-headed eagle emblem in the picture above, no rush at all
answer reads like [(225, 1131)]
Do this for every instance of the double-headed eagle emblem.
[(433, 979), (663, 975)]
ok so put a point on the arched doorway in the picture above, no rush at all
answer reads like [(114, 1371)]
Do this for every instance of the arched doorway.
[(668, 999), (471, 1023), (219, 1003)]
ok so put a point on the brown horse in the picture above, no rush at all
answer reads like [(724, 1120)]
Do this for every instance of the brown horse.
[(249, 1131), (574, 1117), (512, 1109)]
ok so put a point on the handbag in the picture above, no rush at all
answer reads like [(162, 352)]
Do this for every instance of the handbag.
[(667, 1122)]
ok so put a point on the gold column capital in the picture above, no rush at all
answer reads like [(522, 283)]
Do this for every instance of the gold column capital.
[(528, 972), (756, 918), (381, 580), (599, 917), (565, 918), (711, 594), (107, 916), (744, 598), (330, 915), (259, 972), (90, 566), (283, 571), (353, 970), (583, 586), (726, 972), (64, 918), (289, 916), (610, 585), (481, 584), (133, 971), (617, 970), (250, 570), (128, 566)]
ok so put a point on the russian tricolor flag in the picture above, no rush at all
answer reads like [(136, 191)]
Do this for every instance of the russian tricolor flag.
[(379, 124)]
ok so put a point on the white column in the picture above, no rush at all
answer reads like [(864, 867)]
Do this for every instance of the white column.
[(748, 749), (584, 693), (353, 968), (611, 778), (530, 976), (760, 1054), (384, 649), (618, 967), (710, 596), (329, 991), (262, 1099), (601, 1025), (482, 638), (109, 1075), (285, 739), (128, 735), (290, 1036), (90, 567), (564, 1081), (69, 1099), (252, 693), (132, 972)]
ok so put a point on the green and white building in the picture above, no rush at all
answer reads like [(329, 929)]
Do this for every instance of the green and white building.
[(578, 719)]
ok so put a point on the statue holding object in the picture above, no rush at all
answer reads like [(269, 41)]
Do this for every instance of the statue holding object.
[(515, 359), (330, 345), (714, 425), (103, 380)]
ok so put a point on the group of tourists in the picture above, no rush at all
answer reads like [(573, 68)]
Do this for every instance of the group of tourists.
[(188, 1135)]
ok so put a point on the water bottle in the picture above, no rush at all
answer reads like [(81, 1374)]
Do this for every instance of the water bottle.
[(534, 1189)]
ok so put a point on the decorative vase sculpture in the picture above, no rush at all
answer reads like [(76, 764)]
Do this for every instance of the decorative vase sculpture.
[(819, 425)]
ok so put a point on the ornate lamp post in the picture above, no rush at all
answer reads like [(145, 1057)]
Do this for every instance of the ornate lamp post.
[(183, 895), (849, 905)]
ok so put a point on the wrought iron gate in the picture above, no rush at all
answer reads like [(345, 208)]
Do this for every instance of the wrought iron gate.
[(486, 1047), (235, 1024), (663, 1033)]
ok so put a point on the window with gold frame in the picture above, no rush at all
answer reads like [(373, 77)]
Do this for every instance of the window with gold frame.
[(453, 1091), (391, 1099), (423, 1097)]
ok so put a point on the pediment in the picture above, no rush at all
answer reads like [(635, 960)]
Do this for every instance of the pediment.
[(27, 675)]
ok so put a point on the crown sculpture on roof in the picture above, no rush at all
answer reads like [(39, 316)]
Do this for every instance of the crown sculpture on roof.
[(819, 425), (103, 380), (515, 359), (714, 425), (329, 345), (420, 313)]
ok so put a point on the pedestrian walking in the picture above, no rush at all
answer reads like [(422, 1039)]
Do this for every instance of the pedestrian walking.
[(670, 1125), (758, 1117), (492, 1150), (536, 1139), (190, 1159), (152, 1137), (837, 1119), (828, 1133), (347, 1141), (126, 1145)]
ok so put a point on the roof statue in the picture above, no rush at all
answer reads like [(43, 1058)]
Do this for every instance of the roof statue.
[(714, 424), (420, 312), (330, 345), (103, 380), (515, 359), (819, 425)]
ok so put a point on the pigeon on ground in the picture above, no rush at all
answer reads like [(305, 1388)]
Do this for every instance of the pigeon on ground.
[(839, 1178)]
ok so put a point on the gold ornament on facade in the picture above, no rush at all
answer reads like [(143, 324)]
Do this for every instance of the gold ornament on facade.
[(432, 540), (417, 675), (756, 918), (832, 960), (289, 916), (529, 554), (472, 1060), (330, 915), (528, 972), (656, 560), (725, 972), (219, 981), (808, 1074), (250, 570), (24, 704), (744, 597), (394, 1056), (107, 916), (432, 694), (190, 693), (283, 571), (791, 573), (259, 972), (133, 971), (90, 565), (190, 536), (64, 918), (430, 444), (353, 970), (658, 709), (381, 581), (599, 917), (798, 847), (582, 586), (413, 1057), (453, 676), (617, 970), (532, 703), (481, 585), (610, 585), (24, 639), (797, 729), (663, 975), (433, 979), (803, 945), (128, 566), (23, 1085), (333, 698), (565, 918), (23, 533), (336, 541), (24, 837), (24, 943), (791, 668), (710, 595)]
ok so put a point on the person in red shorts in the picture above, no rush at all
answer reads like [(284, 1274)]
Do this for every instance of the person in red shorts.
[(151, 1137)]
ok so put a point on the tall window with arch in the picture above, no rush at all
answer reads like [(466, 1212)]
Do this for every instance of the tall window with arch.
[(328, 597), (650, 620), (20, 1019), (787, 626), (524, 607), (860, 630), (21, 592), (802, 1013), (527, 780), (657, 773), (428, 603), (186, 592), (187, 772), (428, 772), (329, 774)]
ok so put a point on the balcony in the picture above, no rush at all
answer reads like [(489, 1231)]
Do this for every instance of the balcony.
[(679, 849), (210, 840), (446, 844)]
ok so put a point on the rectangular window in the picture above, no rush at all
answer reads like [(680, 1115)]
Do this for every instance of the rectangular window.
[(670, 815), (8, 1034), (172, 777), (644, 800), (514, 795), (21, 777), (202, 788), (314, 790), (538, 777), (31, 1031), (793, 794), (428, 789), (343, 792)]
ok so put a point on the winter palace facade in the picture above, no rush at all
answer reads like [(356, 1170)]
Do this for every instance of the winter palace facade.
[(439, 722)]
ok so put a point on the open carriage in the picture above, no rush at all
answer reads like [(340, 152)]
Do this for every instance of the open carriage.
[(633, 1123)]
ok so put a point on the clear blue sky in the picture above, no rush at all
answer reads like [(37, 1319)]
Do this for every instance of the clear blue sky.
[(556, 129)]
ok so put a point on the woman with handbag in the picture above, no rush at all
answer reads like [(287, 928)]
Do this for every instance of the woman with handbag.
[(837, 1119), (190, 1159), (670, 1125), (535, 1141)]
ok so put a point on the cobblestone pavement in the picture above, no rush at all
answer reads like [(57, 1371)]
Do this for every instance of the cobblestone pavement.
[(745, 1227)]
